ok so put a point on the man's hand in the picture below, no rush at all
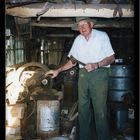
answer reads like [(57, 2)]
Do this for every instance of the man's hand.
[(91, 66), (52, 73)]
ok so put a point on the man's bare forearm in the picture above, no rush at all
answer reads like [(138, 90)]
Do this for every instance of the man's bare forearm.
[(106, 61), (66, 66)]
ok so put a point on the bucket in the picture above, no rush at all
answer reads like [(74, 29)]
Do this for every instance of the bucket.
[(48, 116)]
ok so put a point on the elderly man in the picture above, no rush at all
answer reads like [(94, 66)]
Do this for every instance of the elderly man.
[(93, 50)]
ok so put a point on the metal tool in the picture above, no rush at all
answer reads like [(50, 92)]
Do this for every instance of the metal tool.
[(74, 60), (71, 116), (45, 8)]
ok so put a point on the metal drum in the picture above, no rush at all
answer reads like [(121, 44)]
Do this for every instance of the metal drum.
[(117, 95), (48, 116), (120, 82)]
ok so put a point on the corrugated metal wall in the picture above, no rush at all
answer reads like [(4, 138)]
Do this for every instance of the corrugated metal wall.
[(51, 51), (14, 51)]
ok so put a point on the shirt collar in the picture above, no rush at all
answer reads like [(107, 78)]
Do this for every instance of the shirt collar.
[(93, 33)]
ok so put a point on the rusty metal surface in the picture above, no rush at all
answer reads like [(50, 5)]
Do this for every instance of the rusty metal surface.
[(21, 82), (27, 65)]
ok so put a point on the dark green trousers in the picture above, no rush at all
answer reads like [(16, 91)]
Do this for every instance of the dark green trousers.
[(93, 87)]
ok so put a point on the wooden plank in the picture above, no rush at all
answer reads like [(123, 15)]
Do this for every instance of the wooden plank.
[(71, 10)]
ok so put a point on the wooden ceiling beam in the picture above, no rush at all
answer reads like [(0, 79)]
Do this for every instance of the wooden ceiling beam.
[(71, 10), (111, 23)]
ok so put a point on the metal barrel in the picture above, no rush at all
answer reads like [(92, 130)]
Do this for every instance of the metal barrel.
[(48, 116), (120, 82), (120, 91)]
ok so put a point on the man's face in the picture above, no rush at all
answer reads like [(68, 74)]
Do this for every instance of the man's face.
[(85, 27)]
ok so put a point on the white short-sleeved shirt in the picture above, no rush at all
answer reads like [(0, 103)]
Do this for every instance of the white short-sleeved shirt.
[(94, 50)]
